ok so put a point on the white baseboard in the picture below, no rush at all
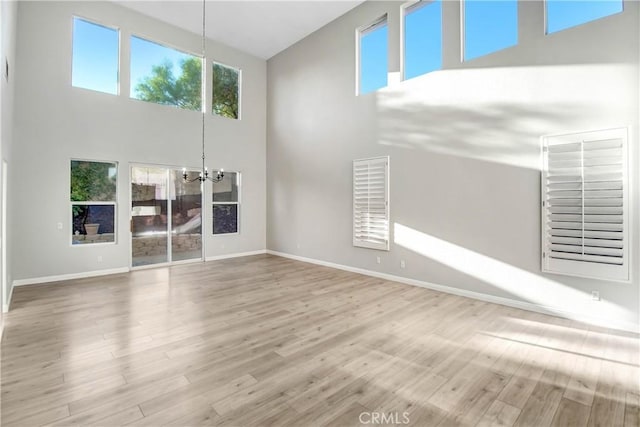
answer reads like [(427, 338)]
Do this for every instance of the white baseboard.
[(61, 277), (553, 311), (96, 273), (5, 307), (236, 255)]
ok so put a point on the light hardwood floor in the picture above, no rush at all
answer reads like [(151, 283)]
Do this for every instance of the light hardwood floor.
[(264, 340)]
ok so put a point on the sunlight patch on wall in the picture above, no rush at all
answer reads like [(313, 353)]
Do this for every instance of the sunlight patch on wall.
[(523, 284), (499, 114)]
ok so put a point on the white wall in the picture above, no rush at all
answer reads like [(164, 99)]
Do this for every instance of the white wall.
[(8, 15), (465, 153), (56, 122)]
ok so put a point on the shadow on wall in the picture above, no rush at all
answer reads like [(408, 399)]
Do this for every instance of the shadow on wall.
[(499, 114)]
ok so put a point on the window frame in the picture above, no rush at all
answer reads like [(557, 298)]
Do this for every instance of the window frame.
[(362, 243), (361, 31), (580, 268), (113, 203), (239, 70), (463, 44), (237, 203), (203, 100), (546, 18), (405, 10), (118, 68)]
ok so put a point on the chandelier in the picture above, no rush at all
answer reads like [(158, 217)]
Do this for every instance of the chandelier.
[(204, 173)]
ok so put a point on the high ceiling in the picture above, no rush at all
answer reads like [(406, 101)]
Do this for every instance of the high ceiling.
[(259, 27)]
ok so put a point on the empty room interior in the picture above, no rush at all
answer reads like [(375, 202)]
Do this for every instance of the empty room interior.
[(320, 213)]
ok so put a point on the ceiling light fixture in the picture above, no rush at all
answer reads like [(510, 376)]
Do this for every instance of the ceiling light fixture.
[(204, 173)]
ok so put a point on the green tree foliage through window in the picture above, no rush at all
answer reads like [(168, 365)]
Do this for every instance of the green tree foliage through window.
[(163, 87), (225, 91), (93, 181), (93, 201)]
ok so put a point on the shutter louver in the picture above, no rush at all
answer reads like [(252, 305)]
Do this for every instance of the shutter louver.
[(371, 203), (585, 204)]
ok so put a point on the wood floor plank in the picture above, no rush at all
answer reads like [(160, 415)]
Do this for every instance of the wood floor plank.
[(26, 404), (608, 406), (207, 391), (582, 385), (632, 410), (264, 340), (38, 417), (119, 418), (570, 414), (271, 412), (351, 416), (526, 377), (541, 406), (202, 416), (499, 414), (104, 403), (471, 402), (561, 345)]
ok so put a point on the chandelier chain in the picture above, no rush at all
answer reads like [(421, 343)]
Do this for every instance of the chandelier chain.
[(204, 174)]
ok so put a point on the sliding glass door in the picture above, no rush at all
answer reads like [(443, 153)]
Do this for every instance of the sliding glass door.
[(166, 221), (186, 216)]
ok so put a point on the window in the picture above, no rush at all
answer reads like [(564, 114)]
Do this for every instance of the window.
[(372, 64), (95, 57), (422, 35), (563, 14), (165, 76), (371, 203), (93, 201), (585, 205), (489, 26), (226, 203), (226, 91)]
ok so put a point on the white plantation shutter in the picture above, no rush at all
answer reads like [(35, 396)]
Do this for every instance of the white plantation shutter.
[(371, 203), (585, 205)]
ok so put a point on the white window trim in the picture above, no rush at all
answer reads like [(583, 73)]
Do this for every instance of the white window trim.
[(110, 27), (546, 18), (238, 204), (405, 10), (181, 50), (616, 273), (462, 33), (360, 31), (113, 203)]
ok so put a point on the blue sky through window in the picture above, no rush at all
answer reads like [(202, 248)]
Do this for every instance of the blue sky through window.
[(146, 54), (95, 57), (423, 39), (489, 26), (374, 58), (563, 14)]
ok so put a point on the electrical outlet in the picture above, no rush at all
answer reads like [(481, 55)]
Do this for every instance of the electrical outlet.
[(59, 226), (378, 259), (298, 245), (99, 258), (595, 296), (402, 264)]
